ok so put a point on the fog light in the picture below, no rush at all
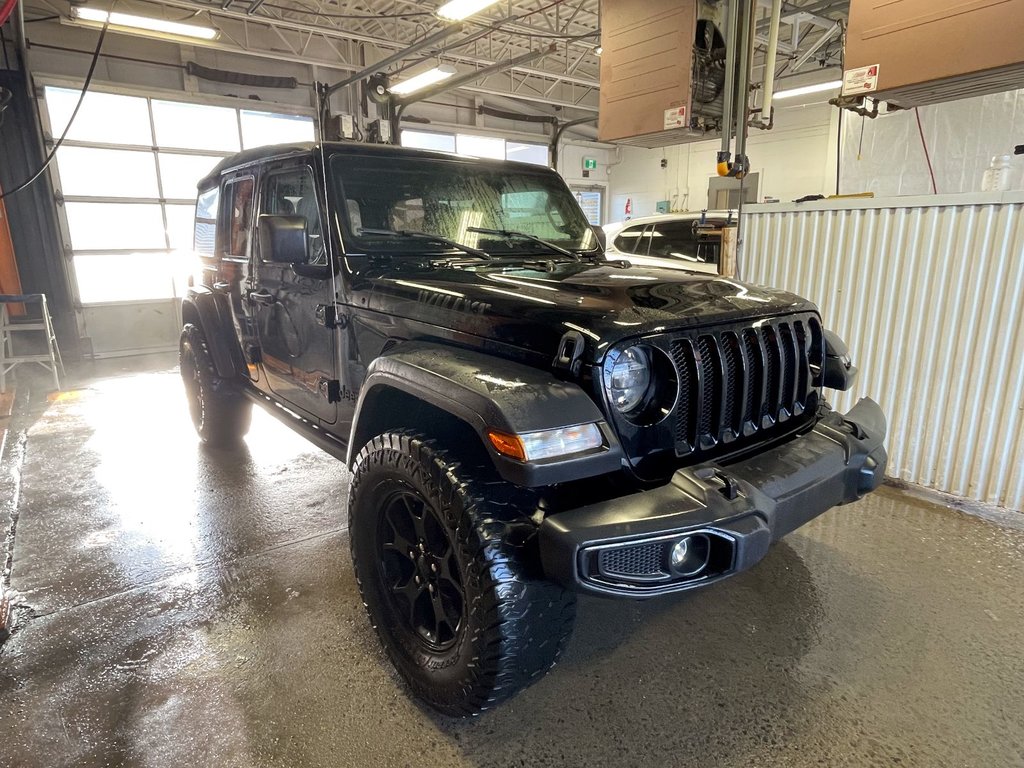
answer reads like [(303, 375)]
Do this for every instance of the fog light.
[(689, 555)]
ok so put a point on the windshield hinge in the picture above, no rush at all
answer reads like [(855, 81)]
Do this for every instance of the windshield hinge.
[(330, 389), (331, 316), (569, 356)]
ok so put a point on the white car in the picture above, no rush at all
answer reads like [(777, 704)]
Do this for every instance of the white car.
[(690, 241)]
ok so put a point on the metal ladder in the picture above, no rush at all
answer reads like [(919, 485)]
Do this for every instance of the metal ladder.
[(8, 327)]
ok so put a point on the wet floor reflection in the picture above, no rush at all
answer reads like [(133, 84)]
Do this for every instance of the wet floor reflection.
[(198, 607)]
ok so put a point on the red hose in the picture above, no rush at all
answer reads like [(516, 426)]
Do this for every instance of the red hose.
[(6, 10)]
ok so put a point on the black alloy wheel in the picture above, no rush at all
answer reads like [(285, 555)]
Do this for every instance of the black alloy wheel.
[(445, 559), (417, 562), (219, 409)]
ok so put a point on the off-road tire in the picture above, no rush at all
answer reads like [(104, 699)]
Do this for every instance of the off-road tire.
[(514, 624), (220, 411)]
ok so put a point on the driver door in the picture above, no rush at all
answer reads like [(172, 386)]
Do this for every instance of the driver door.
[(297, 353)]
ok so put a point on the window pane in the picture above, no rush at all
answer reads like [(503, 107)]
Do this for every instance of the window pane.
[(590, 202), (442, 142), (527, 153), (98, 226), (260, 128), (632, 240), (106, 172), (480, 146), (239, 195), (181, 225), (104, 117), (181, 173), (292, 193), (674, 239), (195, 126), (127, 277), (205, 237)]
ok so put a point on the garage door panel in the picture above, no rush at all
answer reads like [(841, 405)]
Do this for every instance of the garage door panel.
[(115, 226)]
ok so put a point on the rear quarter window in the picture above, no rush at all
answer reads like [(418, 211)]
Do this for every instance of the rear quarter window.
[(205, 240)]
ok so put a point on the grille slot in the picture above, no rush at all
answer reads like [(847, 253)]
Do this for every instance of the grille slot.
[(732, 392), (771, 346), (686, 407), (730, 381), (640, 560), (710, 385), (755, 386), (788, 345)]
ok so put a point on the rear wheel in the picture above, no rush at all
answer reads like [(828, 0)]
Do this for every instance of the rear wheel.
[(448, 576), (220, 411)]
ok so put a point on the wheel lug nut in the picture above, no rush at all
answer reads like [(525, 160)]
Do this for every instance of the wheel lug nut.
[(417, 577), (433, 567), (431, 588)]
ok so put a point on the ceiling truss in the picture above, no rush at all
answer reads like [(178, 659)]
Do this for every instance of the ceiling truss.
[(347, 35)]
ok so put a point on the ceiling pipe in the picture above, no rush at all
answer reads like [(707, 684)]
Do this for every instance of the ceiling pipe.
[(471, 77), (583, 130), (725, 152), (399, 105), (769, 63), (742, 96), (426, 42), (562, 128)]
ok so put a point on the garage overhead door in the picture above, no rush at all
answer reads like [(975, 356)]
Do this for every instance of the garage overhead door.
[(127, 175)]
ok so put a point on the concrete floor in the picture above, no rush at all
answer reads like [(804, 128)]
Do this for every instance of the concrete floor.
[(182, 606)]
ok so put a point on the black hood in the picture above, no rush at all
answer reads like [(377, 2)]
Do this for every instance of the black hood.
[(532, 309)]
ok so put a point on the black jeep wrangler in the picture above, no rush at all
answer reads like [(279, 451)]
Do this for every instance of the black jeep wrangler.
[(523, 419)]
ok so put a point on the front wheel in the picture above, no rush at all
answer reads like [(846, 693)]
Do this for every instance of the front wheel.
[(447, 579), (220, 411)]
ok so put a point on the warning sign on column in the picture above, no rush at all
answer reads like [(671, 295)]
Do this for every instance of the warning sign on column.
[(860, 80)]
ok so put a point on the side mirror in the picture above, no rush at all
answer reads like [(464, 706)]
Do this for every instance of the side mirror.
[(283, 239), (839, 372)]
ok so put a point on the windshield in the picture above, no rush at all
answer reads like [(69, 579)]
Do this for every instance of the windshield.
[(450, 197)]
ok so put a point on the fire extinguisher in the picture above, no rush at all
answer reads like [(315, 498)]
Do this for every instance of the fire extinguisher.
[(629, 208)]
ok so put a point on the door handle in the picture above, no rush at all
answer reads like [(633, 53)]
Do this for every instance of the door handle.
[(221, 286), (260, 297)]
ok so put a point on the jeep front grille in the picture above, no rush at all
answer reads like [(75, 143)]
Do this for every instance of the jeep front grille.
[(737, 381)]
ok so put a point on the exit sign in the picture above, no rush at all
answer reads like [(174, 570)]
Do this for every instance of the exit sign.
[(589, 163)]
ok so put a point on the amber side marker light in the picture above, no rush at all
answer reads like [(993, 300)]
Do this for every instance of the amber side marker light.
[(548, 443), (507, 445)]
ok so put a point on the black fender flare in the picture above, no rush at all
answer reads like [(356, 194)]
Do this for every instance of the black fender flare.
[(485, 392), (211, 311)]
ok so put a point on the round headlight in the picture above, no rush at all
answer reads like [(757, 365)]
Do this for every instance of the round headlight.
[(627, 377)]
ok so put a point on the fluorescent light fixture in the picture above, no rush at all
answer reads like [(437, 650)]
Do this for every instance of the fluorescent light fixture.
[(803, 90), (456, 10), (423, 79), (132, 21), (599, 50)]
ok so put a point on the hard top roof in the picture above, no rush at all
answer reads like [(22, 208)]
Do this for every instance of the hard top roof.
[(278, 151)]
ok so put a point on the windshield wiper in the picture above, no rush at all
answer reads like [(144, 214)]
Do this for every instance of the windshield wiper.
[(512, 233), (413, 234)]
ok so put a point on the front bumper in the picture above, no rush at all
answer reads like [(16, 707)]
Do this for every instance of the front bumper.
[(731, 512)]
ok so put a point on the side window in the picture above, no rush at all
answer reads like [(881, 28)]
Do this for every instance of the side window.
[(632, 240), (680, 240), (205, 240), (674, 240), (292, 192), (238, 195)]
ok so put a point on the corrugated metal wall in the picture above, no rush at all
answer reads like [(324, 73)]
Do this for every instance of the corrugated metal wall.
[(930, 297)]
